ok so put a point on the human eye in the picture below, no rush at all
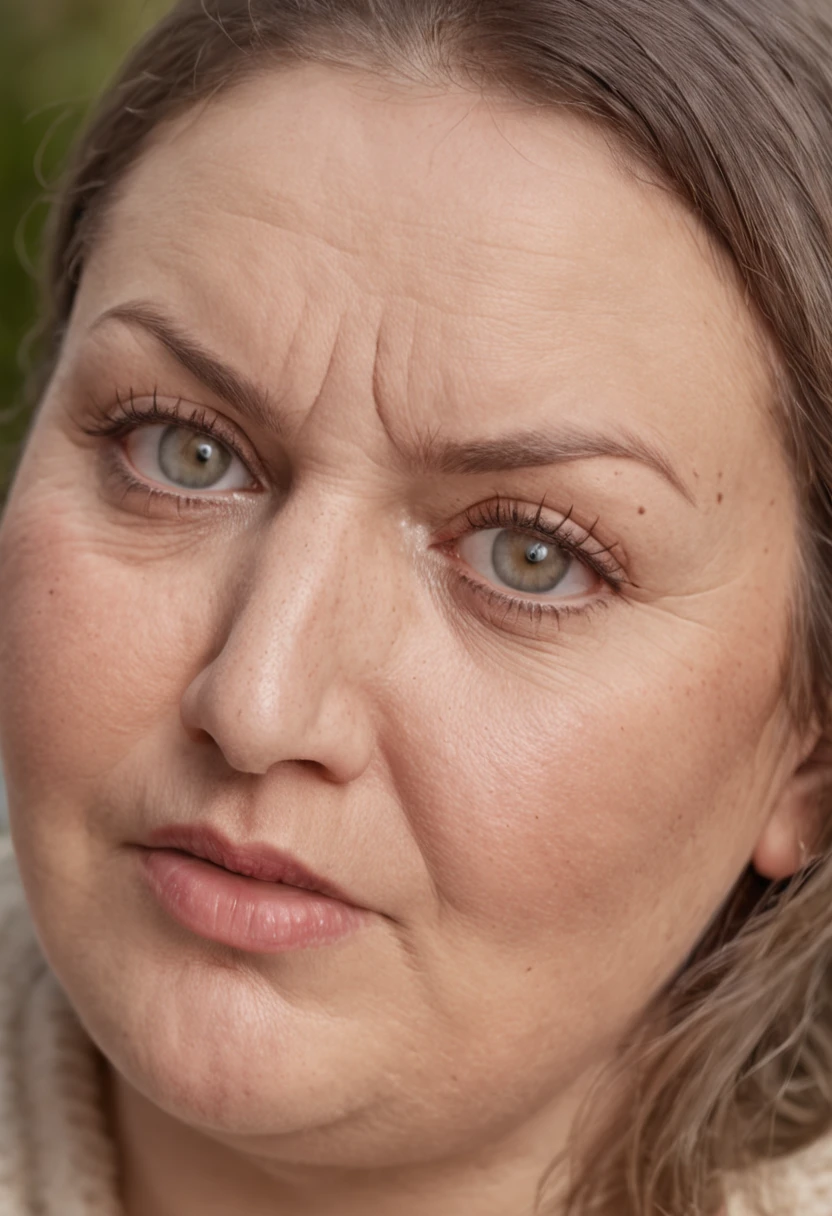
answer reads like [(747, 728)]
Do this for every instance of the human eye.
[(168, 449), (183, 458), (532, 564)]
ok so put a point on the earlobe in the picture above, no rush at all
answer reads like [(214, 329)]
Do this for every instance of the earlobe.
[(781, 849), (792, 833)]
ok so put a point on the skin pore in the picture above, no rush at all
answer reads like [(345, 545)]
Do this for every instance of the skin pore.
[(419, 328)]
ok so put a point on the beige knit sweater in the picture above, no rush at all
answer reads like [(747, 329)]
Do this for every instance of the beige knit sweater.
[(56, 1156)]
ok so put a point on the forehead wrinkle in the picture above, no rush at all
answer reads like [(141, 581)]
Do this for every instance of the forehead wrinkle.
[(343, 231), (384, 398), (338, 226), (331, 368), (344, 247), (428, 451)]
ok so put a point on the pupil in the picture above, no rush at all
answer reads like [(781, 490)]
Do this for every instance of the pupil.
[(204, 452), (537, 552)]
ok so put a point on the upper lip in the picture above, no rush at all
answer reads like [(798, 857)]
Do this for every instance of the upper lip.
[(252, 859)]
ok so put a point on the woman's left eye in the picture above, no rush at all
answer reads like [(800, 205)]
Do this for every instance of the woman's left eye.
[(185, 459), (518, 561)]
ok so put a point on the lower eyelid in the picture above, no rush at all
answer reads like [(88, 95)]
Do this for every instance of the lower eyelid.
[(530, 603), (534, 612), (124, 484), (138, 433), (491, 599), (143, 412), (133, 480)]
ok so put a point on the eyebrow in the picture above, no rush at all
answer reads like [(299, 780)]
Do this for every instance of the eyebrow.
[(215, 374), (516, 450), (532, 449)]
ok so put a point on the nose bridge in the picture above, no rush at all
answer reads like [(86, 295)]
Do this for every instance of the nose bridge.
[(319, 592), (313, 623)]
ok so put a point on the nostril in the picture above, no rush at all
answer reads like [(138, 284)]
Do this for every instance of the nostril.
[(197, 734)]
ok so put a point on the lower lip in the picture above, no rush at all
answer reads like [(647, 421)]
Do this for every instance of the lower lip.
[(245, 913)]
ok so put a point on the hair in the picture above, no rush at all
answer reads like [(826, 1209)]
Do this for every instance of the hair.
[(730, 103)]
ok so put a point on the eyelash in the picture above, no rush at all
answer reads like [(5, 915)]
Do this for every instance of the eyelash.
[(496, 512), (131, 416), (505, 513)]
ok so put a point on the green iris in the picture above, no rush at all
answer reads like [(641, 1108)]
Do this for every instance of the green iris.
[(193, 460), (525, 564)]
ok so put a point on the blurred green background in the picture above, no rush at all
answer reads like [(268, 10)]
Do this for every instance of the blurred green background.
[(55, 56)]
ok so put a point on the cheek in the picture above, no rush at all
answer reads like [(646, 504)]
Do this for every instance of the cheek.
[(602, 802), (94, 650), (609, 808)]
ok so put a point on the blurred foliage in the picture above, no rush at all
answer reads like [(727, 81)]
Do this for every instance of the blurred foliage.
[(55, 56)]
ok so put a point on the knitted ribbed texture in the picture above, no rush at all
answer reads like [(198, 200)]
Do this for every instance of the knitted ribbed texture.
[(800, 1186), (56, 1156)]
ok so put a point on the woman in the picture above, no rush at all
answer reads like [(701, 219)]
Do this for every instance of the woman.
[(416, 593)]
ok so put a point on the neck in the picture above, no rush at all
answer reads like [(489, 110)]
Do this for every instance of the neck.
[(170, 1169)]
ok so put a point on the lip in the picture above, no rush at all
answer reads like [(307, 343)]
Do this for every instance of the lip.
[(249, 896), (253, 860)]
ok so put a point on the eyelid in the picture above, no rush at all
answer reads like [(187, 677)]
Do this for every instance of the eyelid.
[(533, 612), (545, 524), (495, 512), (514, 610), (142, 447), (129, 415)]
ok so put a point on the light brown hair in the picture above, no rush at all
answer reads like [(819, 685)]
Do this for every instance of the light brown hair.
[(730, 103)]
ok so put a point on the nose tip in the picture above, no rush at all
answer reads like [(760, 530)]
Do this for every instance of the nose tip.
[(298, 651), (258, 721)]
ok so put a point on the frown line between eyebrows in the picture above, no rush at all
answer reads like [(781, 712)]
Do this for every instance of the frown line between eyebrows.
[(516, 450)]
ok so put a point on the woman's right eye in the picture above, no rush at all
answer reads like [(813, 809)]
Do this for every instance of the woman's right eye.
[(183, 458)]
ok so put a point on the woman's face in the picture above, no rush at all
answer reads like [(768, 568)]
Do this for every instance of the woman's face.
[(407, 500)]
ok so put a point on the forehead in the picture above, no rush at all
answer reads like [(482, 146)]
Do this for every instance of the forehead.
[(478, 255)]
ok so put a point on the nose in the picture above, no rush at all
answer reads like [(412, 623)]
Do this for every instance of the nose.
[(289, 680)]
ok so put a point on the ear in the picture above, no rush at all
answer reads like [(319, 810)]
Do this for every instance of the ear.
[(794, 829)]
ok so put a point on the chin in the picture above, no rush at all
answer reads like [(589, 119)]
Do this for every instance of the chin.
[(215, 1047)]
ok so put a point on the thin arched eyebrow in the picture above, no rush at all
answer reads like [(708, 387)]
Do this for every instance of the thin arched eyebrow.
[(435, 454)]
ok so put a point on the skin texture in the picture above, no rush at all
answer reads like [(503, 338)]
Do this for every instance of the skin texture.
[(541, 814)]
